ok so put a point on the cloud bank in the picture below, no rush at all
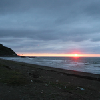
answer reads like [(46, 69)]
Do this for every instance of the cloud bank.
[(50, 26)]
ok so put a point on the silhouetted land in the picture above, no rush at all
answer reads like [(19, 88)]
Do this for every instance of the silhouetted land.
[(21, 81), (5, 51)]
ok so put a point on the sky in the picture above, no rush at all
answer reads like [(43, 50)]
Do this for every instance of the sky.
[(50, 26)]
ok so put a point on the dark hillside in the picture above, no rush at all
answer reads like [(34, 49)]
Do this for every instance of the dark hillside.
[(5, 51)]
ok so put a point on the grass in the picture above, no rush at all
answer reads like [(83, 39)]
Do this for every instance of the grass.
[(11, 77)]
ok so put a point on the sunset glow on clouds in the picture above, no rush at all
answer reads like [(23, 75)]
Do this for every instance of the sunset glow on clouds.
[(53, 27)]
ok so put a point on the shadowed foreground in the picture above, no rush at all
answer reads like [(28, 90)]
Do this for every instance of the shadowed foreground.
[(21, 81)]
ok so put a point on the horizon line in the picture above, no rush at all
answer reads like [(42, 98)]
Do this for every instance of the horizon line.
[(58, 55)]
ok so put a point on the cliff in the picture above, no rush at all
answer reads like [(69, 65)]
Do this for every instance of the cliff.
[(5, 51)]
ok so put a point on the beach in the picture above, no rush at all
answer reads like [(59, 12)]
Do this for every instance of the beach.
[(35, 82)]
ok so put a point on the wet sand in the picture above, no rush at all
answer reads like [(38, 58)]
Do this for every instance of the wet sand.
[(46, 83)]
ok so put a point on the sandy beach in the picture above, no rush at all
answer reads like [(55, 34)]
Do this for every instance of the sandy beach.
[(22, 81)]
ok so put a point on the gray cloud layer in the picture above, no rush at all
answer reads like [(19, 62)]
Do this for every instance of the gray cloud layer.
[(50, 26)]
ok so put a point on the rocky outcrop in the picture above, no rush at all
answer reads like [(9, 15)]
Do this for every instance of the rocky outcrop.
[(5, 51)]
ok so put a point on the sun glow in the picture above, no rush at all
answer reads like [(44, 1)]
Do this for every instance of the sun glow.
[(60, 55), (76, 55)]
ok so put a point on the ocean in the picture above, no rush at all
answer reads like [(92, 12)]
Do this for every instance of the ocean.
[(81, 64)]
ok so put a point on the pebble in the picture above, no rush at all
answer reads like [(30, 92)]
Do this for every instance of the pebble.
[(46, 84), (42, 91), (82, 88), (57, 80), (31, 80)]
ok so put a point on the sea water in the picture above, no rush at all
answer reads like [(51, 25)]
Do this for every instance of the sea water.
[(82, 64)]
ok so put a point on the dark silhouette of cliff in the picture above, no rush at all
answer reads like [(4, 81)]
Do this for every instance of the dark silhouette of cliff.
[(5, 51)]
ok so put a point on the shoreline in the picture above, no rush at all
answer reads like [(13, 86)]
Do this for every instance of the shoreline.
[(47, 83), (79, 74), (96, 74)]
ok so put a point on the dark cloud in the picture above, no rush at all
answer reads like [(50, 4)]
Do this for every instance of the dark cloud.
[(93, 8), (52, 26), (95, 39), (8, 6)]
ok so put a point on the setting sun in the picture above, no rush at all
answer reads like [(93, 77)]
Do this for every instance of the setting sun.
[(76, 55)]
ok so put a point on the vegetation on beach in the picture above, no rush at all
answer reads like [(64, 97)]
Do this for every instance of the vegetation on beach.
[(11, 77)]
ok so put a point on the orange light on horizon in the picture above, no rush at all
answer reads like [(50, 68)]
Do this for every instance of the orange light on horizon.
[(60, 55)]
